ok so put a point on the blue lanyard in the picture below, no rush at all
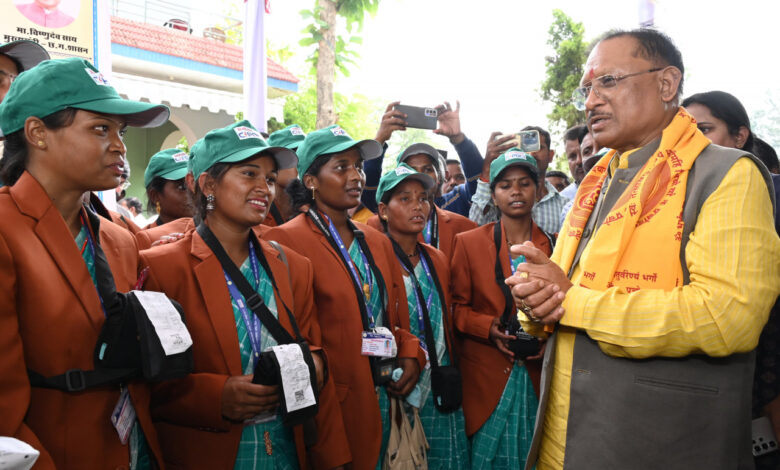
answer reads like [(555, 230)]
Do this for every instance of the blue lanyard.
[(428, 231), (253, 325), (428, 301), (368, 286)]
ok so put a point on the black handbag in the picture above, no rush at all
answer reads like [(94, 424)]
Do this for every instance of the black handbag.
[(128, 346), (267, 369), (446, 381)]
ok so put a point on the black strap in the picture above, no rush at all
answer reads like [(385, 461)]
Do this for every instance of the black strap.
[(509, 303), (252, 298), (276, 214), (424, 253), (429, 341), (361, 298), (76, 380)]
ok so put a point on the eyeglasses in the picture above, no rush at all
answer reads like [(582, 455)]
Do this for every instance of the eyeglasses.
[(581, 94), (7, 76)]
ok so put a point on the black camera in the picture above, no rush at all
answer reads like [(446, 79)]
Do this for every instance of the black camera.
[(381, 369), (525, 345)]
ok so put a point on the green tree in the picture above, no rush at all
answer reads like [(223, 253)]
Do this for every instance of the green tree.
[(357, 114), (563, 71), (333, 50)]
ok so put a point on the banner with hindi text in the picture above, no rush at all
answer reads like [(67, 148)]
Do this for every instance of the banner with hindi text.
[(65, 28)]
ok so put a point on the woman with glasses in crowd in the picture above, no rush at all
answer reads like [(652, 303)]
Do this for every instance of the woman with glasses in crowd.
[(499, 401), (60, 143), (357, 287), (217, 417), (403, 206)]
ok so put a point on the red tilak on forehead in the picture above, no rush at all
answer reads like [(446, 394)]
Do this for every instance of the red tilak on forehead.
[(591, 75)]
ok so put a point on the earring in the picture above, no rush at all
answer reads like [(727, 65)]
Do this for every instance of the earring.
[(210, 202), (313, 196), (41, 144), (384, 217), (157, 207)]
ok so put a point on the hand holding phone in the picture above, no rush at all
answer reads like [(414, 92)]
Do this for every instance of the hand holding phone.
[(419, 117), (527, 141)]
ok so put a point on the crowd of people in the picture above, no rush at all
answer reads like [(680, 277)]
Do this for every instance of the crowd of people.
[(479, 312)]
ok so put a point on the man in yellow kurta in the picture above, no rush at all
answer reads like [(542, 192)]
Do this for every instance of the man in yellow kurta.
[(661, 281)]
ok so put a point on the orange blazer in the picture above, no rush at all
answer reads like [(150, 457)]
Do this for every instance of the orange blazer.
[(339, 315), (151, 234), (450, 224), (188, 411), (50, 318), (477, 300)]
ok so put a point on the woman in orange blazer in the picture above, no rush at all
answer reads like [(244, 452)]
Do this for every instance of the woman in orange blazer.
[(216, 417), (449, 225), (498, 397), (60, 143), (330, 163), (403, 205)]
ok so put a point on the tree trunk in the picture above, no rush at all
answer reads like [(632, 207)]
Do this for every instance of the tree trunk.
[(326, 65)]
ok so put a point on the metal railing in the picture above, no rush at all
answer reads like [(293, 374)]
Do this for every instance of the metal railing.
[(179, 15)]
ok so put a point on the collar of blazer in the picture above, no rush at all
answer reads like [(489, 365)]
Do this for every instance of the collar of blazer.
[(32, 200), (216, 296), (324, 241), (442, 214)]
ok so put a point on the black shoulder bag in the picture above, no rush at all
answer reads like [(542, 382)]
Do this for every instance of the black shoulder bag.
[(381, 367), (446, 382), (127, 346), (525, 345), (267, 369)]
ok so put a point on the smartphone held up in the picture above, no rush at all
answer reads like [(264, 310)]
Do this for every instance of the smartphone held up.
[(527, 141), (419, 117)]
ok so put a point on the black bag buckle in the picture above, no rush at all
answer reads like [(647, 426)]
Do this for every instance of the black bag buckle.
[(254, 301), (77, 385)]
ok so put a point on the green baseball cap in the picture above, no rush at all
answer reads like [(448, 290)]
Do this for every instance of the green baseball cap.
[(26, 53), (402, 172), (170, 164), (332, 139), (513, 157), (54, 85), (290, 137), (234, 143)]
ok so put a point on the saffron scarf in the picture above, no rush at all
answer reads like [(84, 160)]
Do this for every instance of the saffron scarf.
[(628, 250)]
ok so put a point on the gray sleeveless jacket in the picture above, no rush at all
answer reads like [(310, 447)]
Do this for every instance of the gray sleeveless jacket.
[(657, 413)]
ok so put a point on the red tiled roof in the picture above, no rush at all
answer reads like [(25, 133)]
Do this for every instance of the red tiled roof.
[(180, 44)]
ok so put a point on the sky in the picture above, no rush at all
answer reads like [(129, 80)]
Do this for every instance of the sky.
[(490, 54)]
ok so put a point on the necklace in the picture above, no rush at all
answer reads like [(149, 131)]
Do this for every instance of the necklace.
[(415, 253)]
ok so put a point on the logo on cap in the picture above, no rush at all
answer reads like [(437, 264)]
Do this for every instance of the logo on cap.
[(338, 131), (402, 170), (296, 131), (244, 133), (180, 157), (515, 155), (97, 77)]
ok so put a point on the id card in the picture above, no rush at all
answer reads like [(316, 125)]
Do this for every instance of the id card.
[(378, 343), (123, 416)]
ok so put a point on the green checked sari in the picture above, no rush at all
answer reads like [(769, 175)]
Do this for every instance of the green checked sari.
[(445, 432), (139, 449), (252, 450), (504, 439)]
